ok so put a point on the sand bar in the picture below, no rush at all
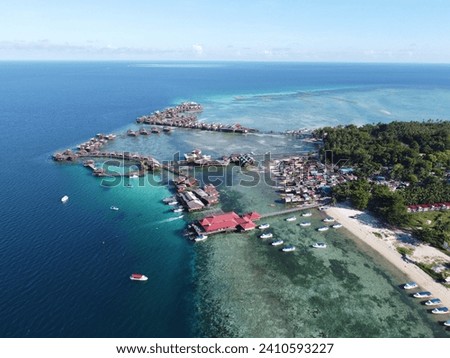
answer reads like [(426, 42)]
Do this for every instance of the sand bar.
[(363, 226)]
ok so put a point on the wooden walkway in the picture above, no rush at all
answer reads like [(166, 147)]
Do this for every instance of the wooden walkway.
[(291, 210)]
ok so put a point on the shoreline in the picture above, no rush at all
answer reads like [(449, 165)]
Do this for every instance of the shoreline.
[(365, 231)]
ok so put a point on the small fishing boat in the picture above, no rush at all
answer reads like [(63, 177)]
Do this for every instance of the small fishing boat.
[(263, 226), (328, 220), (288, 248), (292, 218), (200, 238), (138, 277), (337, 226), (319, 245), (307, 214), (433, 302), (324, 228), (304, 224), (267, 235), (114, 208), (440, 310), (410, 285), (423, 294), (277, 242), (64, 199), (168, 200)]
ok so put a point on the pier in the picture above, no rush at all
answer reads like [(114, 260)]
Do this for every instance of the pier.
[(292, 210), (182, 116)]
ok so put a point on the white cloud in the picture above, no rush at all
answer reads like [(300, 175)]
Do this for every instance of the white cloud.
[(198, 49)]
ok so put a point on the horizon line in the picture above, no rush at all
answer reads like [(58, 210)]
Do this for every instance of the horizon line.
[(227, 61)]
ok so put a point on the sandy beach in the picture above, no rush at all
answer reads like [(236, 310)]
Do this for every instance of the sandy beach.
[(385, 241)]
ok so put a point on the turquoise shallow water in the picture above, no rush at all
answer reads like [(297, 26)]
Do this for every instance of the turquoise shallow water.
[(249, 288), (64, 268)]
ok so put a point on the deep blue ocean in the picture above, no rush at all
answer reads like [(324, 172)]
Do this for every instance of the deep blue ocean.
[(64, 268)]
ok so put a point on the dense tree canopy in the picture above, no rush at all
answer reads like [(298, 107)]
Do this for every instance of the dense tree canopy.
[(406, 151), (415, 153)]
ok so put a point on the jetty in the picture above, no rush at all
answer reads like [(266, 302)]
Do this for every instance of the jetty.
[(183, 116), (293, 210)]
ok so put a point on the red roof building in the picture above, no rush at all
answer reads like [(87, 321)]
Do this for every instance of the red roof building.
[(229, 221), (253, 216)]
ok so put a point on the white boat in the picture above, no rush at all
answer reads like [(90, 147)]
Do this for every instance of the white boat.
[(267, 235), (178, 210), (447, 323), (134, 176), (306, 214), (305, 224), (277, 242), (324, 228), (320, 245), (337, 226), (64, 199), (433, 302), (200, 238), (263, 226), (171, 203), (423, 294), (410, 285), (328, 220), (138, 277), (288, 248), (115, 208), (292, 218), (440, 310)]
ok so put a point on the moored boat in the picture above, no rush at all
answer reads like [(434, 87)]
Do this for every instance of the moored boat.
[(319, 245), (134, 176), (423, 294), (200, 238), (64, 199), (323, 228), (173, 202), (277, 242), (337, 226), (267, 235), (328, 220), (292, 218), (288, 248), (178, 210), (304, 224), (440, 310), (307, 214), (138, 277), (410, 285), (263, 226), (433, 302), (447, 323)]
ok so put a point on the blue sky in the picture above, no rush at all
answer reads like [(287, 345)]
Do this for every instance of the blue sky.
[(265, 30)]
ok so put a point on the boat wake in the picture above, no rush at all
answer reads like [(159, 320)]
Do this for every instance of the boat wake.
[(168, 220)]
